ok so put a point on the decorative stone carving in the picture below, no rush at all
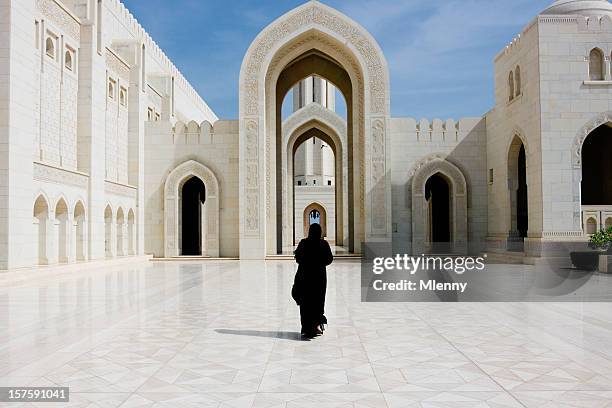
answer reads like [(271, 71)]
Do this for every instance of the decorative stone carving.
[(172, 187), (47, 173), (60, 16)]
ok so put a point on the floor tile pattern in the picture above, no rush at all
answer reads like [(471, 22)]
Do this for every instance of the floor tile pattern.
[(226, 334)]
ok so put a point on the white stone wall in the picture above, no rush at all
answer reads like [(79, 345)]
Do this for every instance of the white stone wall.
[(461, 143), (519, 117), (568, 105), (216, 147)]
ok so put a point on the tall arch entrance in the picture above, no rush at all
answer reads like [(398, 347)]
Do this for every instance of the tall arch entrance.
[(191, 211), (312, 40), (518, 197), (310, 123), (596, 185)]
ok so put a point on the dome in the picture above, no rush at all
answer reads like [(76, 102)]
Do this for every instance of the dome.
[(580, 7)]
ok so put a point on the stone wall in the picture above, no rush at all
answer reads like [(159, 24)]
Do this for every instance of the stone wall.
[(166, 147)]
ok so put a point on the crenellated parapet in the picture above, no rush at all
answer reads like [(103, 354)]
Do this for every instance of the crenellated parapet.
[(133, 26), (435, 131)]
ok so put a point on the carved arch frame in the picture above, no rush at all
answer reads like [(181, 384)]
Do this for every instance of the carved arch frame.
[(421, 172), (317, 26), (174, 182)]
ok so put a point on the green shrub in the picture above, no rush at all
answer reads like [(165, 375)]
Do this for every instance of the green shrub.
[(602, 239)]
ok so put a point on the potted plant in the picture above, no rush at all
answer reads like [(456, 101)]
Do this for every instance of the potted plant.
[(601, 243)]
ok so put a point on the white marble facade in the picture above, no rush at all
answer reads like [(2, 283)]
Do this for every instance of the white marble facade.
[(101, 134)]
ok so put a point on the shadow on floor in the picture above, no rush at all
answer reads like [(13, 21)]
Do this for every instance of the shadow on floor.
[(296, 336)]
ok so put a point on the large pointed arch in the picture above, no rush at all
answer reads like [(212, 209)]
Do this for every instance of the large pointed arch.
[(174, 181), (295, 127), (312, 31)]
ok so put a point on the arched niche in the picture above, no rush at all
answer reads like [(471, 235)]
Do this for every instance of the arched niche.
[(310, 39), (174, 181), (41, 224), (306, 218), (80, 233), (315, 121), (421, 173)]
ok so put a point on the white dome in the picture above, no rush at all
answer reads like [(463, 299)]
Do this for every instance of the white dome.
[(580, 7)]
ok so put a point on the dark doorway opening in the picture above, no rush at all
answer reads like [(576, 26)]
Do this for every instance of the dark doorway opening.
[(193, 196), (437, 194), (522, 210), (596, 167)]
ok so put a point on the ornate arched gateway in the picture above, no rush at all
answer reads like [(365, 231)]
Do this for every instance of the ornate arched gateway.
[(172, 205), (313, 39)]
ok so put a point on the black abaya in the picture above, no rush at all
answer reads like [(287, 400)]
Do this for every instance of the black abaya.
[(312, 256)]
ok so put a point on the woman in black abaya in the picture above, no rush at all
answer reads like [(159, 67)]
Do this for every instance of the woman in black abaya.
[(313, 254)]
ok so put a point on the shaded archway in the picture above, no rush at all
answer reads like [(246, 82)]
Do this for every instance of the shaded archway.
[(78, 218), (438, 197), (193, 199), (437, 178), (596, 184), (518, 195), (120, 232), (316, 121), (312, 40), (108, 231), (41, 221), (173, 209), (61, 222)]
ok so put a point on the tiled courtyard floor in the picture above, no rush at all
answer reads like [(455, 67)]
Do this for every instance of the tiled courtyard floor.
[(225, 334)]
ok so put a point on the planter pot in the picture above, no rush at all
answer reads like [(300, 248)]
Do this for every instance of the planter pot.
[(586, 260), (605, 263)]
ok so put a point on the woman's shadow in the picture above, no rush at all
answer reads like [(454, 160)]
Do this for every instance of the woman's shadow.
[(295, 336)]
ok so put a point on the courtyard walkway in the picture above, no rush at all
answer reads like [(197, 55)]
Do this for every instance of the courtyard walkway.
[(225, 334)]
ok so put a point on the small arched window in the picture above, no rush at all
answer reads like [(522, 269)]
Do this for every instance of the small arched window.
[(111, 88), (50, 47), (517, 80), (123, 97), (596, 65), (511, 86), (68, 63)]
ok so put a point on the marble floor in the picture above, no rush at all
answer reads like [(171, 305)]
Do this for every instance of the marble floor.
[(225, 334)]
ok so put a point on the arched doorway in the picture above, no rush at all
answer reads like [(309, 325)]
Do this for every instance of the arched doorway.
[(312, 40), (79, 231), (41, 219), (191, 211), (518, 196), (327, 129), (314, 214), (438, 196), (439, 207), (596, 185), (108, 231), (61, 220), (193, 199), (120, 232)]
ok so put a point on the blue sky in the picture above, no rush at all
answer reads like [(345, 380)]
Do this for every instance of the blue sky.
[(440, 52)]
